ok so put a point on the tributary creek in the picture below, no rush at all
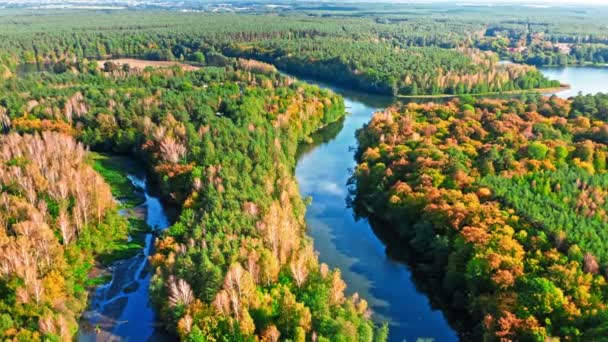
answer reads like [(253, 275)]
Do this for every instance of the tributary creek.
[(121, 309)]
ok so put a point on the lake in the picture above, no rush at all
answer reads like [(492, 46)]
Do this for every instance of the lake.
[(587, 80)]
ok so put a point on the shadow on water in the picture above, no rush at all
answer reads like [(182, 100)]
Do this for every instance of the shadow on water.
[(323, 136), (402, 289), (423, 274)]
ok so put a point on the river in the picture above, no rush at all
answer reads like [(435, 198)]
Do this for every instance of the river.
[(121, 310), (322, 171), (324, 167)]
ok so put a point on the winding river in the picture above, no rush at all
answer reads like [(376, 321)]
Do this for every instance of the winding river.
[(121, 310), (395, 294)]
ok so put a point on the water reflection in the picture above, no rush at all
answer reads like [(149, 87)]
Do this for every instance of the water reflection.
[(371, 257), (323, 170)]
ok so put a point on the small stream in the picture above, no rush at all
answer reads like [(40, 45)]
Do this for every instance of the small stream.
[(121, 310)]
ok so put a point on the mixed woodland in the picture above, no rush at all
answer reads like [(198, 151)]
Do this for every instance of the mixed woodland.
[(220, 143), (502, 201), (358, 53), (56, 215)]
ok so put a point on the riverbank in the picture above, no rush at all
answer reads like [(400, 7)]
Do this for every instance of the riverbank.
[(343, 241), (141, 64), (578, 65), (454, 223)]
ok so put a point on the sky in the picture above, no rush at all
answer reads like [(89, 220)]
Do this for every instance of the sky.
[(488, 2), (547, 2)]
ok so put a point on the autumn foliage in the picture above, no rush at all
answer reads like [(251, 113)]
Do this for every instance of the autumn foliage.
[(55, 212), (503, 198), (220, 144)]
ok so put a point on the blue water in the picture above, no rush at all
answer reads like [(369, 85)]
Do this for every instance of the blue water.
[(322, 172), (121, 310), (586, 80)]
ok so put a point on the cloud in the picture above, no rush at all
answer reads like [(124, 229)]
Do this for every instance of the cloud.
[(331, 188)]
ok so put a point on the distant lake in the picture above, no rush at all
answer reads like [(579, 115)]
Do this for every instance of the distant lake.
[(587, 80)]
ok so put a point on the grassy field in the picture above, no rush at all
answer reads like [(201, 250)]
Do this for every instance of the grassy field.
[(114, 169)]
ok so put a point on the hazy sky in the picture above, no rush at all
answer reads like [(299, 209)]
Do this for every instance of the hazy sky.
[(488, 2), (547, 2), (595, 2)]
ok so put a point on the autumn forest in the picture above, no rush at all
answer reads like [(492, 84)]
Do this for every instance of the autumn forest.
[(491, 184)]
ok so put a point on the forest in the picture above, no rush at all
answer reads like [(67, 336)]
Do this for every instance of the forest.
[(501, 199), (220, 142), (382, 68), (537, 36), (57, 216), (358, 53), (504, 201)]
